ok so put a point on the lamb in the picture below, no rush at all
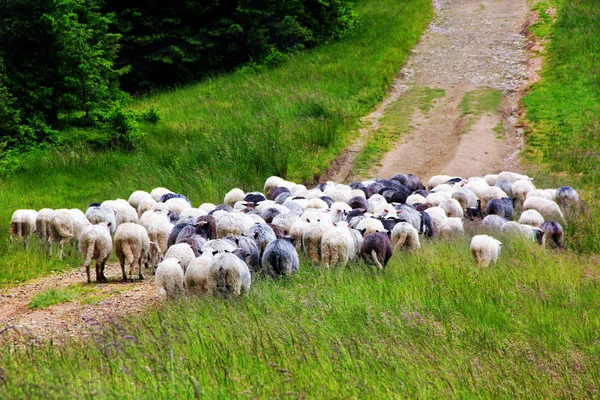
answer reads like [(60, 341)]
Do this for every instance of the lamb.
[(553, 233), (233, 196), (502, 207), (311, 240), (526, 231), (95, 243), (548, 208), (531, 217), (485, 249), (42, 226), (452, 208), (169, 279), (158, 192), (520, 189), (228, 274), (183, 252), (137, 197), (131, 246), (280, 258), (337, 245), (66, 226), (376, 247), (196, 275), (99, 214), (404, 235), (22, 224)]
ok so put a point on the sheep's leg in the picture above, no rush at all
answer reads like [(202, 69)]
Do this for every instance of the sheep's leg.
[(140, 264), (101, 277), (87, 271), (122, 262)]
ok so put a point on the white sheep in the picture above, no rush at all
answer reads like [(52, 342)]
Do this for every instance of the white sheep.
[(232, 224), (370, 225), (452, 208), (66, 226), (285, 222), (137, 197), (95, 243), (337, 245), (520, 189), (493, 192), (196, 274), (126, 215), (549, 209), (451, 226), (183, 252), (233, 196), (131, 247), (465, 197), (218, 246), (404, 235), (438, 216), (42, 226), (158, 233), (526, 231), (158, 192), (208, 207), (491, 179), (531, 217), (415, 199), (478, 187), (99, 214), (178, 204), (317, 204), (494, 221), (377, 203), (271, 183), (169, 278), (297, 232), (338, 211), (436, 198), (228, 274), (22, 225), (485, 249), (548, 194), (512, 176), (438, 180), (311, 240)]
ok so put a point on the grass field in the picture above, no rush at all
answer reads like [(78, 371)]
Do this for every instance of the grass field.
[(431, 326)]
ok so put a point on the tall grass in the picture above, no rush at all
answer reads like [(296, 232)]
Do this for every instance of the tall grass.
[(234, 130), (431, 325), (563, 109)]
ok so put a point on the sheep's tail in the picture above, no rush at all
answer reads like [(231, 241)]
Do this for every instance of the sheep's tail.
[(374, 257), (222, 279), (14, 228), (275, 261), (127, 253), (89, 252), (400, 241), (326, 255)]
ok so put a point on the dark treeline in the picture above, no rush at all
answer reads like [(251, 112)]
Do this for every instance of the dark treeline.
[(64, 62)]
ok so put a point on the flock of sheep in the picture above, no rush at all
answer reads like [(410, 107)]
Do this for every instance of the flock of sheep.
[(216, 248)]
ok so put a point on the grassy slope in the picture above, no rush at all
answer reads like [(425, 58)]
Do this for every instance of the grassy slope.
[(563, 108), (234, 130), (431, 326)]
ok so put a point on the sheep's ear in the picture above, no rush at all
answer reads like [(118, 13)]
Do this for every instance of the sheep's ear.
[(308, 220), (335, 224), (200, 252), (108, 224), (215, 252), (500, 244), (362, 231), (237, 241), (255, 235)]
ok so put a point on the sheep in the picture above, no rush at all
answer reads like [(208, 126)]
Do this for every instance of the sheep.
[(452, 208), (280, 258), (132, 246), (219, 246), (269, 214), (126, 214), (255, 197), (169, 279), (566, 196), (249, 245), (338, 211), (231, 224), (168, 196), (532, 218), (502, 207), (337, 245), (206, 227), (178, 204), (377, 204), (95, 243), (526, 231), (437, 197), (478, 187), (151, 216), (66, 226), (282, 197), (42, 226), (474, 213), (494, 221), (297, 233), (294, 208), (22, 224), (178, 228), (285, 222), (233, 196), (491, 193), (311, 239), (158, 192), (262, 234), (271, 183), (404, 235), (415, 199), (145, 205), (376, 247), (274, 193), (513, 176), (158, 234), (426, 226), (317, 204), (548, 194), (98, 214), (196, 242), (548, 208), (370, 225), (553, 233), (196, 274), (438, 216), (228, 274), (136, 198), (192, 212), (410, 215), (506, 186), (438, 180), (485, 249), (409, 180), (338, 193), (520, 189), (491, 179), (451, 226), (183, 252), (208, 207)]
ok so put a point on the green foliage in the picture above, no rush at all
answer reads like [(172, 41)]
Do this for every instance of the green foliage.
[(51, 297), (186, 40)]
